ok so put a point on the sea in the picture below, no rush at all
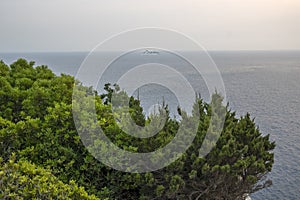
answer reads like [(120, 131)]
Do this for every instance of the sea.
[(264, 83)]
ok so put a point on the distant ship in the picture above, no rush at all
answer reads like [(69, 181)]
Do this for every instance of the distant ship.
[(150, 52)]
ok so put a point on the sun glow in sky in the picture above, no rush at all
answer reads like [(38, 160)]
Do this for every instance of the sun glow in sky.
[(79, 25)]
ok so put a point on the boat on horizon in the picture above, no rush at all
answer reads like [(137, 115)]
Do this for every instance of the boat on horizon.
[(150, 52)]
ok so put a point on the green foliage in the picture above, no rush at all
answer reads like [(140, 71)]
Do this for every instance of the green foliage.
[(24, 180), (36, 123)]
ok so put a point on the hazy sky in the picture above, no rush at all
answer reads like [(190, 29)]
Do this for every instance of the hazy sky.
[(79, 25)]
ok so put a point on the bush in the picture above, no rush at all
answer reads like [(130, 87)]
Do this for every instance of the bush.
[(24, 180)]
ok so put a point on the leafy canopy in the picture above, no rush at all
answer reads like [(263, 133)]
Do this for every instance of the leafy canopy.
[(37, 126)]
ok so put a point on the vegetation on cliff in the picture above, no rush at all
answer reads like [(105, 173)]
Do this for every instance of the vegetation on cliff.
[(43, 156)]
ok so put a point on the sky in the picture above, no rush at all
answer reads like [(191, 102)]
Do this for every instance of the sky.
[(80, 25)]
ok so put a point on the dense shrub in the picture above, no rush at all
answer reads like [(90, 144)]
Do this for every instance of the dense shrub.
[(36, 123)]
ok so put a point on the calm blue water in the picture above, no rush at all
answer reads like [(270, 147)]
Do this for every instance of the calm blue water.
[(264, 83)]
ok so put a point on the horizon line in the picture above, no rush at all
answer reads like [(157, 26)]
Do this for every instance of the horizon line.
[(212, 50)]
